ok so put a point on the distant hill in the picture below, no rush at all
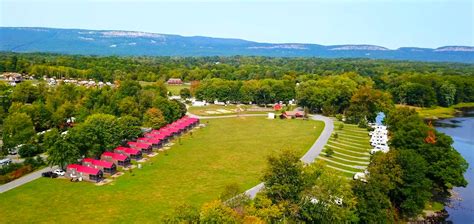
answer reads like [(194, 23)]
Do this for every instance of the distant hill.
[(114, 42)]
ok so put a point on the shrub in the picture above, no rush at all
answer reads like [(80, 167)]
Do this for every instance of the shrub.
[(339, 117), (336, 135), (363, 124), (29, 150), (329, 152), (341, 126)]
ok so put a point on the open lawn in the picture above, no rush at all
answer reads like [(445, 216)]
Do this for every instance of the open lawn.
[(232, 150), (351, 150), (218, 110), (174, 89), (438, 112)]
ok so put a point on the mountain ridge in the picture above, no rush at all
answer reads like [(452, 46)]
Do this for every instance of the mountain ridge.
[(138, 43)]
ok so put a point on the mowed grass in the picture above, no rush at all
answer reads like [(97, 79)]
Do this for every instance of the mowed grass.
[(231, 150), (351, 150), (219, 110)]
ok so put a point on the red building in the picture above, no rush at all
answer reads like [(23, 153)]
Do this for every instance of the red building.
[(77, 171), (116, 158), (106, 167), (132, 153)]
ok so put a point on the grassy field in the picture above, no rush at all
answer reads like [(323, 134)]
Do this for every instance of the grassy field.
[(174, 89), (351, 150), (218, 110), (195, 171), (438, 112)]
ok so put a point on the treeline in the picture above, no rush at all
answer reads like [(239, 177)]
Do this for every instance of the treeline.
[(100, 118), (399, 184), (233, 78)]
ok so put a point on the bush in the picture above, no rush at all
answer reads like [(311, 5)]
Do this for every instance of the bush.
[(339, 117), (363, 124), (336, 135), (29, 150), (341, 126), (34, 162), (329, 152)]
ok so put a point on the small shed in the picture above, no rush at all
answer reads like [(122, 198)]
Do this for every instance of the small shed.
[(132, 153), (174, 81), (77, 171), (116, 158), (142, 146), (106, 167)]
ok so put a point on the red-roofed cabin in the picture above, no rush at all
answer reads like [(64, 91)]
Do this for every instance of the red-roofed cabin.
[(155, 143), (144, 147), (292, 114), (155, 135), (116, 158), (77, 171), (106, 167), (174, 81), (132, 153)]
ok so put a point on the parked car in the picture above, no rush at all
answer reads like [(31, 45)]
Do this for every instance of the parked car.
[(49, 174), (59, 172), (6, 161)]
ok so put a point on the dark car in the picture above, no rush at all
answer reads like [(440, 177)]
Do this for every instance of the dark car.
[(49, 174)]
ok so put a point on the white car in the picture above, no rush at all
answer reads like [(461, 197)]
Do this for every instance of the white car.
[(59, 172)]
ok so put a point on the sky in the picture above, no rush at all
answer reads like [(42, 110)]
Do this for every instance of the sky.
[(388, 23)]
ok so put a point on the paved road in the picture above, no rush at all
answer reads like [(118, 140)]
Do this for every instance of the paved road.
[(311, 154), (23, 180)]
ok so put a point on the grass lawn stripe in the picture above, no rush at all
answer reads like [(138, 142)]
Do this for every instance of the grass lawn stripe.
[(344, 167)]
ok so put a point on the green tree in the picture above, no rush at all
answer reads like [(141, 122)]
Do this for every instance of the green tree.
[(446, 94), (154, 118), (63, 152), (185, 93), (216, 212), (283, 179), (17, 129)]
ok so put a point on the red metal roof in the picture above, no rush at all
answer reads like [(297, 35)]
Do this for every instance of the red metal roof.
[(97, 162), (83, 169), (128, 151), (115, 156), (140, 145)]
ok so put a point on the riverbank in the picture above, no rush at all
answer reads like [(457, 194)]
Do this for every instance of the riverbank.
[(435, 113)]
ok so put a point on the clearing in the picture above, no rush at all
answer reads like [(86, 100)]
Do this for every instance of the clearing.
[(231, 150)]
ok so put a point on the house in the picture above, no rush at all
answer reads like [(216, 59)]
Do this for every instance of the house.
[(106, 167), (132, 153), (144, 147), (116, 158), (173, 81), (292, 114), (81, 172), (155, 142), (161, 137)]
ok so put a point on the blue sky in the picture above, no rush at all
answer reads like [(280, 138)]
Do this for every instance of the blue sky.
[(387, 23)]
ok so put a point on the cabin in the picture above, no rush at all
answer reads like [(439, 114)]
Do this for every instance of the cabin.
[(174, 81), (81, 172), (163, 139), (106, 167), (116, 158), (142, 146), (155, 142), (132, 153), (292, 114)]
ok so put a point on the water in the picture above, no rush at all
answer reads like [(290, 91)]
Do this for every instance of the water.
[(461, 129)]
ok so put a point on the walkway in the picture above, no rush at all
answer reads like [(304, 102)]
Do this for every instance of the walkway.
[(23, 180)]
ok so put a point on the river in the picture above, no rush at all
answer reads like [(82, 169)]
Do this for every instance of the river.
[(461, 129)]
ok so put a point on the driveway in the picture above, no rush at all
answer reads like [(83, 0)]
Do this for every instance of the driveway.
[(23, 180)]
